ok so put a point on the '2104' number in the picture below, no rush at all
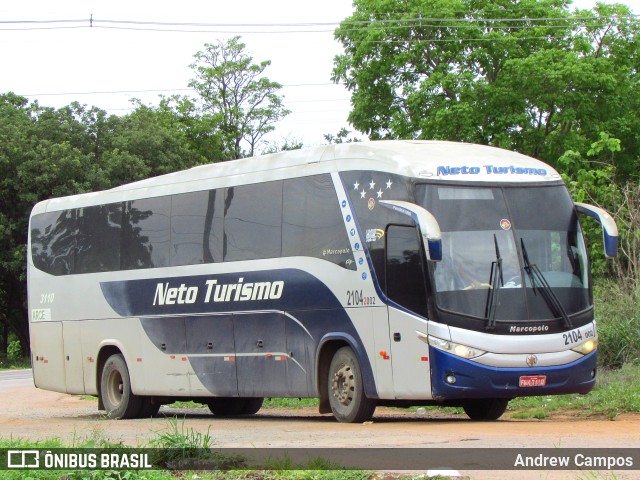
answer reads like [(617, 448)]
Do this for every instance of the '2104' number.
[(355, 298), (572, 337)]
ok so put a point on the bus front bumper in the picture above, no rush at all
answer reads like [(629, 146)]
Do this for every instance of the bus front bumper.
[(453, 377)]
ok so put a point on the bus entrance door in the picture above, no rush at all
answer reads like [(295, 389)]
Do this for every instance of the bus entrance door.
[(406, 291)]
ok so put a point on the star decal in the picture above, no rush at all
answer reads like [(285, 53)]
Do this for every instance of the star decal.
[(372, 185), (363, 193), (356, 185), (379, 193), (389, 183)]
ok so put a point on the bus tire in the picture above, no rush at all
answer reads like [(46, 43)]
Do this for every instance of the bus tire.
[(115, 390), (348, 401), (226, 406), (252, 405), (485, 408), (150, 407)]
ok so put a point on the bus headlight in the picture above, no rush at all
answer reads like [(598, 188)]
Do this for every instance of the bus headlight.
[(457, 349), (587, 347)]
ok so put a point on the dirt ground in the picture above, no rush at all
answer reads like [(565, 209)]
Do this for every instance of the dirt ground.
[(27, 412)]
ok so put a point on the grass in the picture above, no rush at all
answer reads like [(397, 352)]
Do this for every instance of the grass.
[(177, 446), (618, 318), (616, 392), (290, 402), (14, 364)]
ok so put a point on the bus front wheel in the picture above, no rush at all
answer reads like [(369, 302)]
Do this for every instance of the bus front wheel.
[(485, 408), (348, 401), (115, 389)]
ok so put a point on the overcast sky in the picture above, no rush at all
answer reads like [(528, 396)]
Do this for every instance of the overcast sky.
[(106, 67)]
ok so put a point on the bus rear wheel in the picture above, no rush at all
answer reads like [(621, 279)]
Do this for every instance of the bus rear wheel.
[(225, 406), (150, 407), (115, 390), (252, 405), (348, 401), (485, 408), (231, 406)]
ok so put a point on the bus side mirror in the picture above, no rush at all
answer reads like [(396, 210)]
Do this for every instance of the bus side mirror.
[(426, 222), (609, 227)]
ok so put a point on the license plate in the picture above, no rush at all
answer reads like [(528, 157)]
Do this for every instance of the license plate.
[(533, 381)]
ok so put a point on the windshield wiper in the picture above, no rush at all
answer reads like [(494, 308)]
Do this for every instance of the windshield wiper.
[(492, 296), (547, 292)]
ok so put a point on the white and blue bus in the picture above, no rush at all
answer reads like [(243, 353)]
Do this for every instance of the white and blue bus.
[(375, 273)]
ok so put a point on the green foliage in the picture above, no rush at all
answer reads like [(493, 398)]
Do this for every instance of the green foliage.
[(591, 179), (235, 92), (14, 350), (529, 76), (46, 153), (616, 392), (341, 137), (18, 363), (181, 438), (290, 402), (618, 320)]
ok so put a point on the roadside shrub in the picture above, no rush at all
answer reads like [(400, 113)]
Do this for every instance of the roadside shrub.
[(618, 319), (14, 350)]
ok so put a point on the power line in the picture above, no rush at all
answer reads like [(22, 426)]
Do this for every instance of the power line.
[(347, 25), (419, 20), (151, 90)]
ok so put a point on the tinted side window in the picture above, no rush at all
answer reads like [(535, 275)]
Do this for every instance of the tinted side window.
[(214, 226), (146, 233), (253, 221), (188, 218), (405, 283), (98, 238), (312, 222), (53, 240)]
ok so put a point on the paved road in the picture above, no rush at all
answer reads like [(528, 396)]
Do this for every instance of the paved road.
[(15, 378)]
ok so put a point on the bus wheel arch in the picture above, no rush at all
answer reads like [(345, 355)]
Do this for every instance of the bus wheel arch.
[(327, 351), (116, 395)]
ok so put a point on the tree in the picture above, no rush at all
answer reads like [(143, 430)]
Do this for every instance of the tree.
[(232, 88), (529, 75), (341, 137), (47, 153), (43, 153)]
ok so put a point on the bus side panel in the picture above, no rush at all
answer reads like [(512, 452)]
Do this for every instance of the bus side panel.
[(48, 356), (371, 323), (299, 345), (73, 359), (122, 334), (260, 345), (409, 356), (211, 347), (162, 346)]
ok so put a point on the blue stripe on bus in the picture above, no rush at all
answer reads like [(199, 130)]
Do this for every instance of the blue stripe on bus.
[(474, 380), (285, 289), (183, 315), (373, 274)]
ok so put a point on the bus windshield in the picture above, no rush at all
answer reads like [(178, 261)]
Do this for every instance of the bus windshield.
[(486, 226)]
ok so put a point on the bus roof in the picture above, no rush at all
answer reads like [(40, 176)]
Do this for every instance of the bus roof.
[(426, 159)]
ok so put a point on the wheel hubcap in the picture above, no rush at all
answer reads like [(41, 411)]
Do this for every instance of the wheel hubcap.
[(343, 385), (116, 388)]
